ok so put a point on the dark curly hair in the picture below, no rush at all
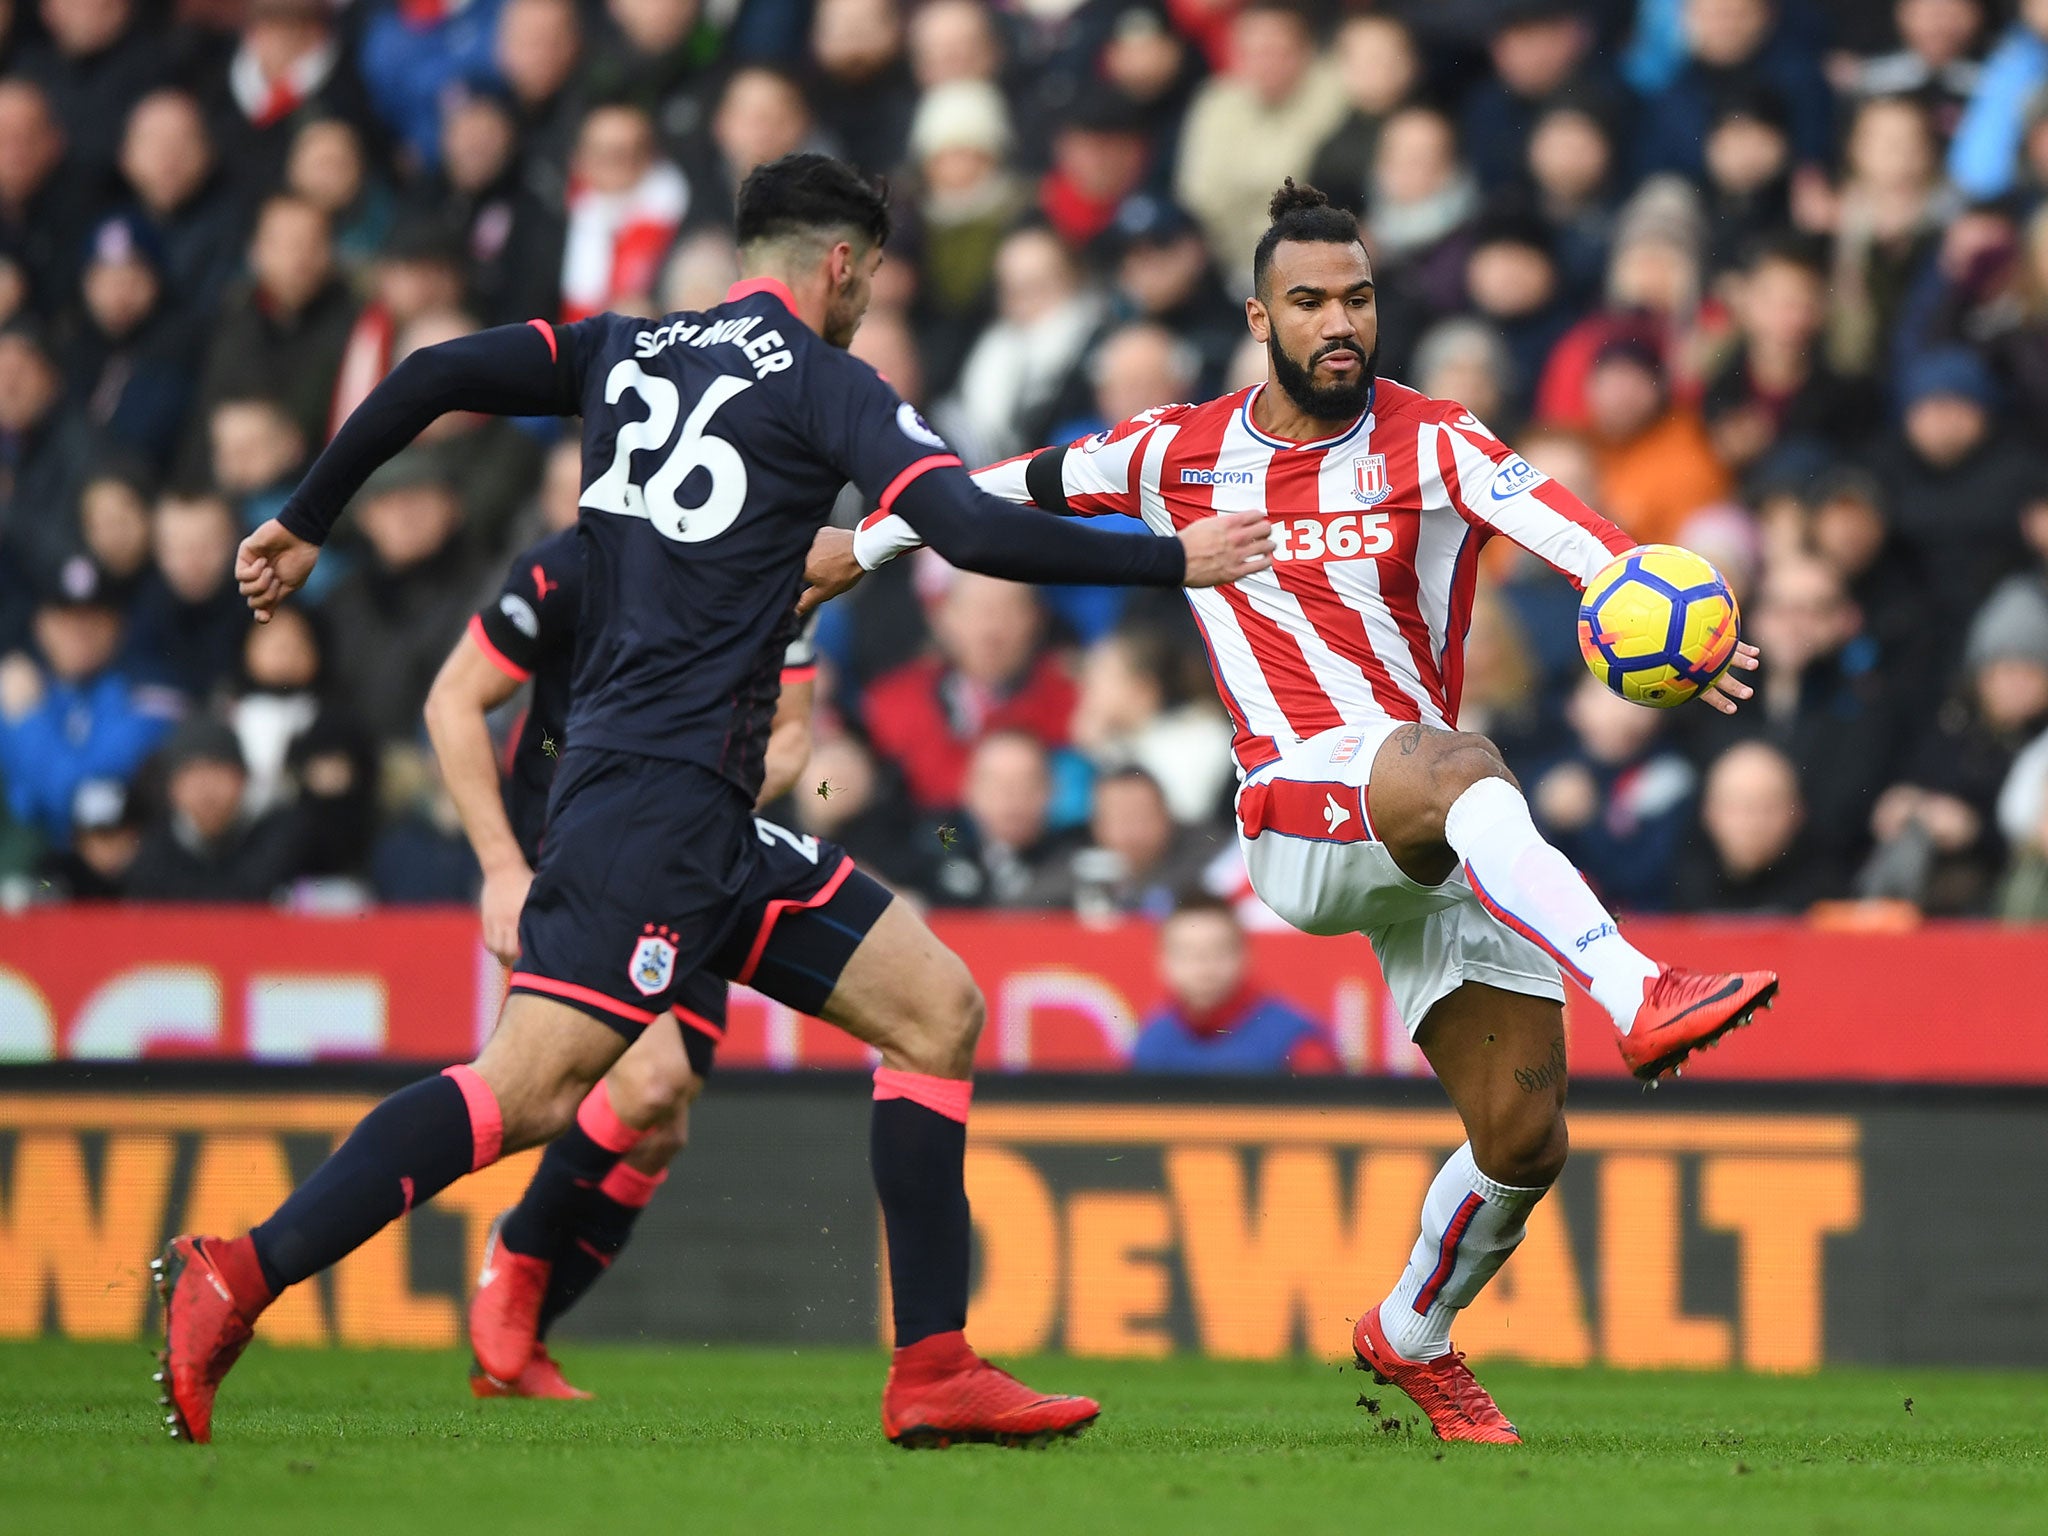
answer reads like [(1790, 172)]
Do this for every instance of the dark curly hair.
[(809, 194), (1299, 213)]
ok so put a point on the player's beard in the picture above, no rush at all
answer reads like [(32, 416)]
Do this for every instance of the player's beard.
[(1324, 402)]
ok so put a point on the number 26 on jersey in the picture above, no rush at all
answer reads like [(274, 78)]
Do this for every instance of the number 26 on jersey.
[(696, 449), (1345, 537)]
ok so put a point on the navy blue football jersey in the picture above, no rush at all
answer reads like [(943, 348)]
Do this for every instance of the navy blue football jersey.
[(714, 445), (529, 632)]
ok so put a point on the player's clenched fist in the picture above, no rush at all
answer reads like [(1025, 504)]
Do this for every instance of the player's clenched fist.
[(1225, 547), (271, 565)]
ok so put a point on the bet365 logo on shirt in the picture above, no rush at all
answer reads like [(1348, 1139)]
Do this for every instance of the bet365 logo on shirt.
[(1347, 536)]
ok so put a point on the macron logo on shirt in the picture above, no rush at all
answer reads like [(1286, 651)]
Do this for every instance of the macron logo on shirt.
[(1215, 477)]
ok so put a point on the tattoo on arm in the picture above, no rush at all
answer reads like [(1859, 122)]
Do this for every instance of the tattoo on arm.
[(1410, 738), (1535, 1079)]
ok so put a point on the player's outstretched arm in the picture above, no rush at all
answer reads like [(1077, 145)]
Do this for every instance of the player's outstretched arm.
[(510, 370), (979, 532)]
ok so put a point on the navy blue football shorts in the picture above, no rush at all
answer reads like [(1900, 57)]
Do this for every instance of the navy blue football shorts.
[(657, 884)]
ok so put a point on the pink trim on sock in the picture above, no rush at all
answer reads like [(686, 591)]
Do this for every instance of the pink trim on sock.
[(596, 1118), (630, 1187), (948, 1096), (486, 1120)]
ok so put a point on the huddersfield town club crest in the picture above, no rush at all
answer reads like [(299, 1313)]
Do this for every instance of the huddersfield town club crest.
[(653, 964), (1369, 479)]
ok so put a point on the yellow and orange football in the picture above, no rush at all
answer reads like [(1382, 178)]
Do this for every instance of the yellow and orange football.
[(1658, 625)]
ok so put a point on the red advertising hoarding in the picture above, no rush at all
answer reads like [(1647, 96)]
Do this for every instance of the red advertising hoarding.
[(1944, 1003)]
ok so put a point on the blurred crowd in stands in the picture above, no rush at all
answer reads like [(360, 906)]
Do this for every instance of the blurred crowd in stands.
[(1768, 278)]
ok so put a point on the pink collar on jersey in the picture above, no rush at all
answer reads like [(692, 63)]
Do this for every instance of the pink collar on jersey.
[(1272, 441), (774, 287)]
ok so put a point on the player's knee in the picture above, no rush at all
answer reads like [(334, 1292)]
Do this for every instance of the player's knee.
[(1526, 1151), (1464, 759), (1461, 759), (650, 1090), (948, 1024), (647, 1096)]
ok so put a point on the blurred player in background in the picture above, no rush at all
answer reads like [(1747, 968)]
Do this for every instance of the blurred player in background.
[(565, 1233), (714, 444), (1362, 808)]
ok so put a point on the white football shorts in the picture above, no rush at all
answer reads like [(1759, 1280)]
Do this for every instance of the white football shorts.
[(1305, 825)]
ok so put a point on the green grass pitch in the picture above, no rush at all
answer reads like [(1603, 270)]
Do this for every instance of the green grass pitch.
[(694, 1440)]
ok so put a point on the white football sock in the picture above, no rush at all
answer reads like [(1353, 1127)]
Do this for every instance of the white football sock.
[(1470, 1225), (1534, 889)]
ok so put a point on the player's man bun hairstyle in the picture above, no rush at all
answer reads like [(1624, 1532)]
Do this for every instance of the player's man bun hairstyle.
[(1299, 212), (809, 194)]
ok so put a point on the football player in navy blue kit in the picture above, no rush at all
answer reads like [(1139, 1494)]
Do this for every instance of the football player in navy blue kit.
[(638, 1117), (714, 444)]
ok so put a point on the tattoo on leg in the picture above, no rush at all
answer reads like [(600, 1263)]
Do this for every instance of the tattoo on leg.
[(1410, 738), (1534, 1079)]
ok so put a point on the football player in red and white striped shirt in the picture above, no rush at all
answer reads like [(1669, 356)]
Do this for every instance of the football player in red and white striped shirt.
[(1363, 808)]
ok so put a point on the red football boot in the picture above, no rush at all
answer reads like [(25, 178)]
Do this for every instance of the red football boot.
[(204, 1335), (504, 1315), (942, 1393), (542, 1378), (1445, 1389), (1687, 1011)]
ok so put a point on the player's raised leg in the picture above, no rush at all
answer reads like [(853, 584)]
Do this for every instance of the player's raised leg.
[(1445, 798), (579, 1209), (523, 1089), (1500, 1057)]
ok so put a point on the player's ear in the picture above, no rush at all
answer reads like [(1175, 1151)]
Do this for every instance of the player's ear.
[(840, 264), (1257, 320)]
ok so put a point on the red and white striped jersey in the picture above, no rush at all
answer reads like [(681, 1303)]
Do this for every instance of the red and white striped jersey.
[(1377, 534)]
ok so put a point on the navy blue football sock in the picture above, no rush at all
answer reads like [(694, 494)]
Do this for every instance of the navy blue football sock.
[(917, 1143), (401, 1154), (575, 1164), (602, 1226)]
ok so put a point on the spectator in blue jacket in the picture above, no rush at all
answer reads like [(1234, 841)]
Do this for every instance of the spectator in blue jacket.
[(1984, 157), (74, 717), (1734, 48), (1215, 1017), (1620, 800), (411, 54)]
